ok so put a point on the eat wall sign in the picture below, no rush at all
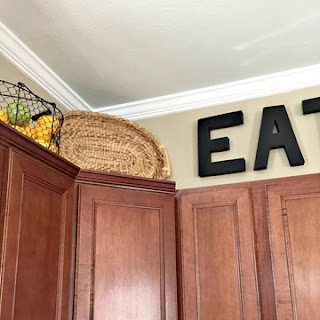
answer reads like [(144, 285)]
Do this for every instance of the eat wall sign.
[(275, 117)]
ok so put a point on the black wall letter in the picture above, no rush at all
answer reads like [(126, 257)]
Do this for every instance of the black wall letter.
[(206, 146), (284, 137), (311, 106)]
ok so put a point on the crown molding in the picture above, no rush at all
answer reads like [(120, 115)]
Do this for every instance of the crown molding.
[(242, 90), (29, 63)]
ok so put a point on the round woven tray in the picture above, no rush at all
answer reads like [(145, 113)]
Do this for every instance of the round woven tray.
[(108, 143)]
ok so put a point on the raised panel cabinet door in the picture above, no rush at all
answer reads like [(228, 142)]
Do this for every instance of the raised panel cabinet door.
[(126, 255), (35, 275), (218, 270), (294, 223)]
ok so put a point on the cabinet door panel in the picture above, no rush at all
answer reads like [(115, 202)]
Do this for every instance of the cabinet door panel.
[(36, 274), (217, 256), (294, 222), (132, 272), (126, 255)]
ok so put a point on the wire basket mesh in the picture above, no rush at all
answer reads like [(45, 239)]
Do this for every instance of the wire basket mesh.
[(31, 115)]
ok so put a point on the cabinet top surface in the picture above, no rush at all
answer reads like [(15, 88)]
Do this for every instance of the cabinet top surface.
[(17, 141), (103, 178)]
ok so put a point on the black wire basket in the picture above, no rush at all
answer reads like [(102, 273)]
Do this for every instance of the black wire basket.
[(31, 115)]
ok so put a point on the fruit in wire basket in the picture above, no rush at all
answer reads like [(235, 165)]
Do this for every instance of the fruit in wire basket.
[(42, 142), (43, 133), (47, 145), (53, 148), (18, 114), (3, 116), (50, 122), (28, 131)]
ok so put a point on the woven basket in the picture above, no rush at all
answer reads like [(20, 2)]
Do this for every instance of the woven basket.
[(108, 143)]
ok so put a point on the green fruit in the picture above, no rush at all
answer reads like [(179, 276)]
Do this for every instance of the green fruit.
[(18, 114)]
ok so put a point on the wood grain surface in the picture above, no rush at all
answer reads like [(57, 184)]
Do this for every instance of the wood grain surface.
[(294, 222), (37, 238), (126, 266), (218, 256)]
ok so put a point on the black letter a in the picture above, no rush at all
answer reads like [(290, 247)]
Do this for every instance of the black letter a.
[(284, 137)]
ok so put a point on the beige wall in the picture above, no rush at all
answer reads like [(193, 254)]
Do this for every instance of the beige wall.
[(8, 72), (179, 133)]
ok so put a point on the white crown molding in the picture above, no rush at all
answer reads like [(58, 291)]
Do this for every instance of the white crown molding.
[(30, 64), (251, 88)]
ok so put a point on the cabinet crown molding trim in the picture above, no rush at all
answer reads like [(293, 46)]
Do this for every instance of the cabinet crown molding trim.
[(276, 83), (121, 180)]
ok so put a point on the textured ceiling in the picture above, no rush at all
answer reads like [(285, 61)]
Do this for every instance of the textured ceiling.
[(116, 51)]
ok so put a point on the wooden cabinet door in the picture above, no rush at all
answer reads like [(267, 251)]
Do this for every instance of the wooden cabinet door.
[(294, 223), (218, 271), (126, 255), (36, 266)]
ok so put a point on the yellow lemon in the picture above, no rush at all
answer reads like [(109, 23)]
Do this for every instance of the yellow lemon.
[(28, 130), (53, 148), (3, 116), (50, 122), (18, 128), (43, 143), (43, 133)]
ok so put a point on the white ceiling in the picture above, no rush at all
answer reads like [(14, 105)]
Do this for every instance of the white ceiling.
[(111, 52)]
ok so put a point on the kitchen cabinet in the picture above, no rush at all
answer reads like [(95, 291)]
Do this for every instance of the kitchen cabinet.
[(250, 250), (80, 244), (126, 256), (77, 244), (217, 253), (37, 214), (294, 220)]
